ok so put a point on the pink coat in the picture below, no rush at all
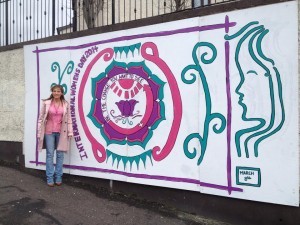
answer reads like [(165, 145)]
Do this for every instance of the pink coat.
[(66, 126)]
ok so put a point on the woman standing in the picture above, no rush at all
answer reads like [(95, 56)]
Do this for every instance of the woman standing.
[(55, 125)]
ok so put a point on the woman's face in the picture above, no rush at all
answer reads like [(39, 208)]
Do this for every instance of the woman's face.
[(56, 93), (253, 89)]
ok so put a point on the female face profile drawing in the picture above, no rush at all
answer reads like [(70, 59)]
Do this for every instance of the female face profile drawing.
[(259, 89), (252, 89)]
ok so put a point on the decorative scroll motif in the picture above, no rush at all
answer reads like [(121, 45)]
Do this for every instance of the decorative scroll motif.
[(69, 69), (209, 116)]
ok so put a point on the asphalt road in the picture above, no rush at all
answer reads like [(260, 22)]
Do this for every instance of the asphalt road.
[(25, 199)]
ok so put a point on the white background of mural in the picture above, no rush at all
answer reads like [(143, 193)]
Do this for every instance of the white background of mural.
[(278, 155)]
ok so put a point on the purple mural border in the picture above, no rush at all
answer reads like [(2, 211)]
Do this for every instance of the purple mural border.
[(38, 96), (229, 108), (226, 25), (151, 177)]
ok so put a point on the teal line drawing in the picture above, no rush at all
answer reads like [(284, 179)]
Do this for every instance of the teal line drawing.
[(209, 116), (249, 170), (69, 69), (129, 159), (252, 36), (127, 49)]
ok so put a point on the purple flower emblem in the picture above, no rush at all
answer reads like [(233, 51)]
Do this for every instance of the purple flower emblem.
[(126, 107), (136, 125)]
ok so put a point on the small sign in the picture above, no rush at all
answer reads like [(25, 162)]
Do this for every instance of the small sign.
[(248, 176)]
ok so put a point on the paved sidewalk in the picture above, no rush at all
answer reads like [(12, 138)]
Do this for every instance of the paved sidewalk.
[(26, 199)]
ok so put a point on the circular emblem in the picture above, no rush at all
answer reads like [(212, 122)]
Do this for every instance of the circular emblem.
[(127, 103)]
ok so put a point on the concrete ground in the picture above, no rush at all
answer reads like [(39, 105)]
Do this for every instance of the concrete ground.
[(25, 199)]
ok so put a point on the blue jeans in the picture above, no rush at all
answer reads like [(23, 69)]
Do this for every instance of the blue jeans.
[(51, 141)]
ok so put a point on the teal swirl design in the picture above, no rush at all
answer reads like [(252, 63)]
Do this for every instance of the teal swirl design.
[(69, 69), (209, 116), (263, 129)]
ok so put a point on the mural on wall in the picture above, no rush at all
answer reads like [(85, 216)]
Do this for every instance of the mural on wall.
[(194, 104)]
